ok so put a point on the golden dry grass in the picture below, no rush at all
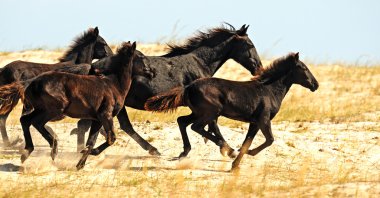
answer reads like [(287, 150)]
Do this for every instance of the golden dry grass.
[(326, 145)]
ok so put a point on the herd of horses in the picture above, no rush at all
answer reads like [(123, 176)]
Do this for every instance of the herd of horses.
[(95, 92)]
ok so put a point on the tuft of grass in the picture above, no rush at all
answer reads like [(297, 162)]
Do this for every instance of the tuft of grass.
[(5, 53), (150, 139)]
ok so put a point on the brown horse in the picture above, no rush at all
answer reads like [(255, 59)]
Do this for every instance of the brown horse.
[(53, 95), (76, 59), (255, 102)]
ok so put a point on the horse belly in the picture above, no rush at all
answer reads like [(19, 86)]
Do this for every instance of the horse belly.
[(77, 109), (244, 111)]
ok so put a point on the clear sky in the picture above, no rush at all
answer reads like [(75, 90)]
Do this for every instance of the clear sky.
[(321, 30)]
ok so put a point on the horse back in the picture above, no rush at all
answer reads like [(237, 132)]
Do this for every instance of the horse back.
[(23, 70), (242, 101), (79, 96)]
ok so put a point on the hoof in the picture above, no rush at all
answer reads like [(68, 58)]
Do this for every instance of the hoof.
[(82, 162), (25, 154), (233, 154), (111, 138), (226, 150), (54, 150), (80, 165), (154, 151), (24, 157), (252, 152), (235, 169), (182, 155)]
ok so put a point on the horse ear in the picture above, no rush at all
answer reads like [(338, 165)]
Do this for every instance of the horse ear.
[(242, 31), (133, 46), (297, 56), (96, 31)]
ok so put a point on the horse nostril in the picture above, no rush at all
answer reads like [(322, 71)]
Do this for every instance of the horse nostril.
[(316, 85)]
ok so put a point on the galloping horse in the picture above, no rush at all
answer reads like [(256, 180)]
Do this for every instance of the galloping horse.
[(256, 102)]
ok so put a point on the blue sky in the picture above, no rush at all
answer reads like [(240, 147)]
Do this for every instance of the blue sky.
[(321, 30)]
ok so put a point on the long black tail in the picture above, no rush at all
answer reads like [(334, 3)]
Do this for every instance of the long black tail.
[(167, 101), (9, 96)]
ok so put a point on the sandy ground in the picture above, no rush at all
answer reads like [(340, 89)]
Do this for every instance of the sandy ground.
[(306, 159)]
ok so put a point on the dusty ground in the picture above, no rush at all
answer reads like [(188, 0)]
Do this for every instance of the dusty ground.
[(307, 159), (338, 155)]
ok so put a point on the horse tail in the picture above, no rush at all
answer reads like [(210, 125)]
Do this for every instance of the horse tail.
[(9, 96), (167, 101)]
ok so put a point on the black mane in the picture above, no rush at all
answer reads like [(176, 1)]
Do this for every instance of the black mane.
[(275, 70), (201, 39), (77, 45)]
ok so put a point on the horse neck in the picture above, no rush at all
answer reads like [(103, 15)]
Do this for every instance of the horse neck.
[(280, 87), (84, 56), (79, 56), (124, 78), (213, 58)]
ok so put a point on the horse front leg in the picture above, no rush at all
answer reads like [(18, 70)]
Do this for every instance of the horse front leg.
[(126, 126), (107, 122), (82, 127), (94, 131), (252, 131), (267, 131)]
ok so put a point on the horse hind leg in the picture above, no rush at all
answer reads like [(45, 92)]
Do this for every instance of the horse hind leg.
[(199, 125), (39, 121), (183, 122), (225, 149), (26, 121), (4, 135), (94, 131)]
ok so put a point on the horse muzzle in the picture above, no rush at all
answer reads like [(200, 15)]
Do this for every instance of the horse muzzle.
[(314, 86)]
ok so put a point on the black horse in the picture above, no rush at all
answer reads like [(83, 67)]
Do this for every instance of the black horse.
[(76, 59), (255, 102), (200, 57)]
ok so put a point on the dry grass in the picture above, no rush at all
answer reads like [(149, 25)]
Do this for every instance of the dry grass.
[(332, 149)]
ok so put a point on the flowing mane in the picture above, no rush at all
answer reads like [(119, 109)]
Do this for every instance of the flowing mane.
[(275, 70), (202, 39), (77, 44)]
